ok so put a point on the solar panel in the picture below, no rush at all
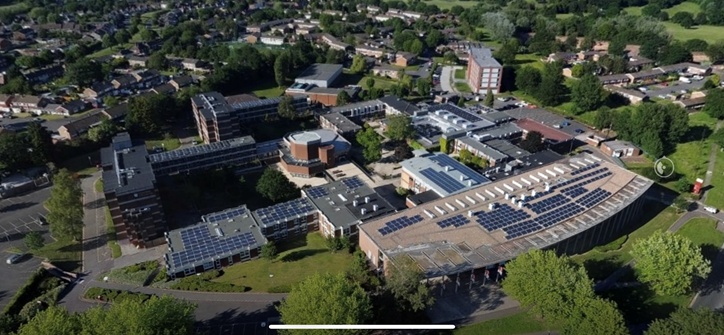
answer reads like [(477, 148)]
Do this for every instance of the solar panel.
[(455, 221), (447, 183), (211, 218), (501, 217), (285, 211), (317, 192), (399, 223), (548, 204), (445, 160), (201, 246), (353, 182)]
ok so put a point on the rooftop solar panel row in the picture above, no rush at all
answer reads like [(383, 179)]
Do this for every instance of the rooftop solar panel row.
[(285, 211), (200, 246), (399, 223)]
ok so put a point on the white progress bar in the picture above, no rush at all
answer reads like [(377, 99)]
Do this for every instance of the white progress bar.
[(384, 327)]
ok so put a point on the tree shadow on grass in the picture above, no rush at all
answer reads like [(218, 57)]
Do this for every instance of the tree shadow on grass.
[(696, 133), (637, 306), (298, 242), (600, 269), (301, 254)]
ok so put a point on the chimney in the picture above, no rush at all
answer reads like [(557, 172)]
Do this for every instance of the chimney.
[(367, 200), (354, 203), (375, 207), (512, 200), (548, 187), (522, 197), (470, 183), (447, 168), (491, 206), (470, 213)]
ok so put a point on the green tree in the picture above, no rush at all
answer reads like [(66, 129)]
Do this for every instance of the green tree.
[(122, 36), (399, 127), (371, 144), (465, 156), (506, 54), (34, 240), (370, 82), (715, 103), (41, 144), (84, 72), (54, 321), (111, 101), (423, 87), (406, 283), (343, 98), (450, 57), (461, 102), (147, 35), (669, 263), (578, 70), (275, 186), (717, 137), (269, 251), (551, 90), (103, 132), (527, 79), (416, 47), (164, 315), (158, 61), (65, 206), (148, 114), (336, 300), (604, 118), (286, 107), (359, 271), (489, 99), (358, 64), (282, 67), (17, 85), (333, 243), (588, 94), (533, 142), (434, 38), (108, 41), (681, 204), (595, 316), (685, 321), (14, 151), (685, 19)]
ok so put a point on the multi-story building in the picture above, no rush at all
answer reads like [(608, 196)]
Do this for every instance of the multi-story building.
[(218, 120), (361, 109), (339, 123), (129, 186), (484, 72), (439, 173), (237, 151), (308, 153), (288, 219)]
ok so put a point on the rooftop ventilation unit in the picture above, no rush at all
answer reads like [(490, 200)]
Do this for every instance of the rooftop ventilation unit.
[(491, 206), (470, 213), (219, 232), (451, 207), (363, 211), (375, 207), (354, 203), (367, 200), (461, 203), (471, 200), (428, 213), (440, 210)]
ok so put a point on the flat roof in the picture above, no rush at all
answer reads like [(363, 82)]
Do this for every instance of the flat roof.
[(284, 212), (356, 105), (341, 122), (441, 173), (461, 232), (488, 151), (548, 133), (348, 201), (507, 148), (219, 235), (324, 136), (131, 170), (399, 104), (546, 118), (483, 57), (319, 71), (200, 149)]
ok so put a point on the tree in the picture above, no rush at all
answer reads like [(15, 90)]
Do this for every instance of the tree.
[(489, 99), (41, 144), (588, 93), (275, 186), (333, 243), (715, 51), (269, 250), (717, 137), (402, 152), (685, 321), (359, 64), (371, 144), (715, 103), (617, 47), (533, 142), (423, 87), (461, 102), (506, 54), (286, 107), (399, 127), (17, 85), (359, 271), (450, 57), (158, 61), (578, 70), (147, 35), (14, 151), (111, 101), (84, 72), (685, 19), (604, 118), (54, 321), (405, 283), (595, 316), (336, 300), (122, 36), (282, 67), (499, 26), (342, 98), (465, 156), (34, 240), (546, 283), (551, 90), (65, 206), (669, 263), (527, 79), (434, 38), (148, 114), (164, 315), (652, 10), (108, 41), (370, 82)]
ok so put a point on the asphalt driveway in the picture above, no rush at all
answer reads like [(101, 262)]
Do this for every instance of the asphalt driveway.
[(14, 275), (19, 216)]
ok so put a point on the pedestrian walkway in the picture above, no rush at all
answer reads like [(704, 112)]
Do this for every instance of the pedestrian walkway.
[(712, 163)]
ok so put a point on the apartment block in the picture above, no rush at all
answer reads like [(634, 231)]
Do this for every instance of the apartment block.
[(484, 72)]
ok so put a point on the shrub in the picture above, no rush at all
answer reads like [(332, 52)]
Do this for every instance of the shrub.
[(161, 276), (613, 245), (27, 292), (136, 274), (202, 282), (115, 295)]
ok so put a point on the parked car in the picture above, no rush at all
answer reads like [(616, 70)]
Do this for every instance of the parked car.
[(643, 89), (579, 131), (565, 124), (504, 99), (14, 258), (710, 209)]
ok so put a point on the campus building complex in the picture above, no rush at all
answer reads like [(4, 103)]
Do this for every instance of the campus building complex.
[(439, 173), (568, 206), (308, 153), (217, 119), (236, 151), (484, 72)]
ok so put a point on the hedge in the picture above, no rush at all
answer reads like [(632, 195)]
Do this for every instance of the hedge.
[(280, 289), (49, 299), (202, 282), (115, 295), (136, 274), (27, 292)]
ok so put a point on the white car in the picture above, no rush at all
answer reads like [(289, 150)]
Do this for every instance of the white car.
[(712, 210), (14, 258)]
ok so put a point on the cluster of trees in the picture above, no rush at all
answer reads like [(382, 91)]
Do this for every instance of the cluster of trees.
[(588, 93), (371, 143), (546, 86), (533, 142), (275, 186), (467, 157), (22, 150), (656, 128), (65, 206)]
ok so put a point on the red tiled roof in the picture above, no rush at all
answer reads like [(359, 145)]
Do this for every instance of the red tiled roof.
[(547, 132)]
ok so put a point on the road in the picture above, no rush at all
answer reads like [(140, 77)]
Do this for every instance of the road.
[(712, 164), (446, 79)]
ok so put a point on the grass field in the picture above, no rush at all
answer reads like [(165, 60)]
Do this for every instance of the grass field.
[(521, 323), (707, 33), (443, 4), (297, 260), (703, 232), (166, 143), (688, 6), (98, 185), (16, 8), (383, 83), (111, 234), (82, 165), (64, 254), (715, 195), (460, 73), (462, 87), (600, 264), (691, 157), (268, 89)]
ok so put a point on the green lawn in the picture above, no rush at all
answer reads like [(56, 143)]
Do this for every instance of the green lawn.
[(299, 259), (633, 10), (563, 16), (462, 87), (715, 195), (98, 185), (688, 6), (82, 165), (460, 73), (443, 4), (268, 89), (64, 254), (16, 8), (703, 232), (692, 156), (707, 33), (521, 323), (529, 60), (109, 51), (383, 83), (166, 143), (111, 234), (600, 264)]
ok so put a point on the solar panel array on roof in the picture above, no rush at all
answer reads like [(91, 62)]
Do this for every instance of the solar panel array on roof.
[(577, 190), (399, 223), (501, 217), (211, 218), (193, 151), (594, 197), (544, 221), (353, 182), (285, 211), (584, 169), (317, 192), (445, 160), (455, 221), (199, 245), (548, 204), (447, 183)]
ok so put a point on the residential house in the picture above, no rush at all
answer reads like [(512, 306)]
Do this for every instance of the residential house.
[(164, 89), (139, 61), (638, 64), (633, 96), (566, 57), (24, 34), (99, 90), (253, 38), (116, 113), (5, 44), (192, 64), (80, 126), (404, 59), (334, 43), (615, 79), (370, 51), (43, 75), (385, 70), (272, 40), (6, 101), (124, 82), (645, 76), (619, 149), (590, 55), (180, 82), (141, 49), (147, 78), (71, 107), (692, 104), (28, 104)]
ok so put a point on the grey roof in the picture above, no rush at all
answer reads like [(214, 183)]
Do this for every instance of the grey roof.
[(423, 197), (506, 130), (117, 111), (341, 122), (320, 72), (352, 106), (443, 174), (131, 170), (485, 149), (497, 117), (484, 57), (617, 145), (399, 104), (336, 201), (507, 148), (546, 118), (284, 212), (200, 149), (83, 123), (615, 77), (220, 235)]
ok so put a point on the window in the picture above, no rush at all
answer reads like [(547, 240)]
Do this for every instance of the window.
[(208, 266)]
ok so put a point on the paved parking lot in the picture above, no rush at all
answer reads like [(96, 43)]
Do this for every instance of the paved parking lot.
[(19, 215), (236, 329), (14, 276)]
